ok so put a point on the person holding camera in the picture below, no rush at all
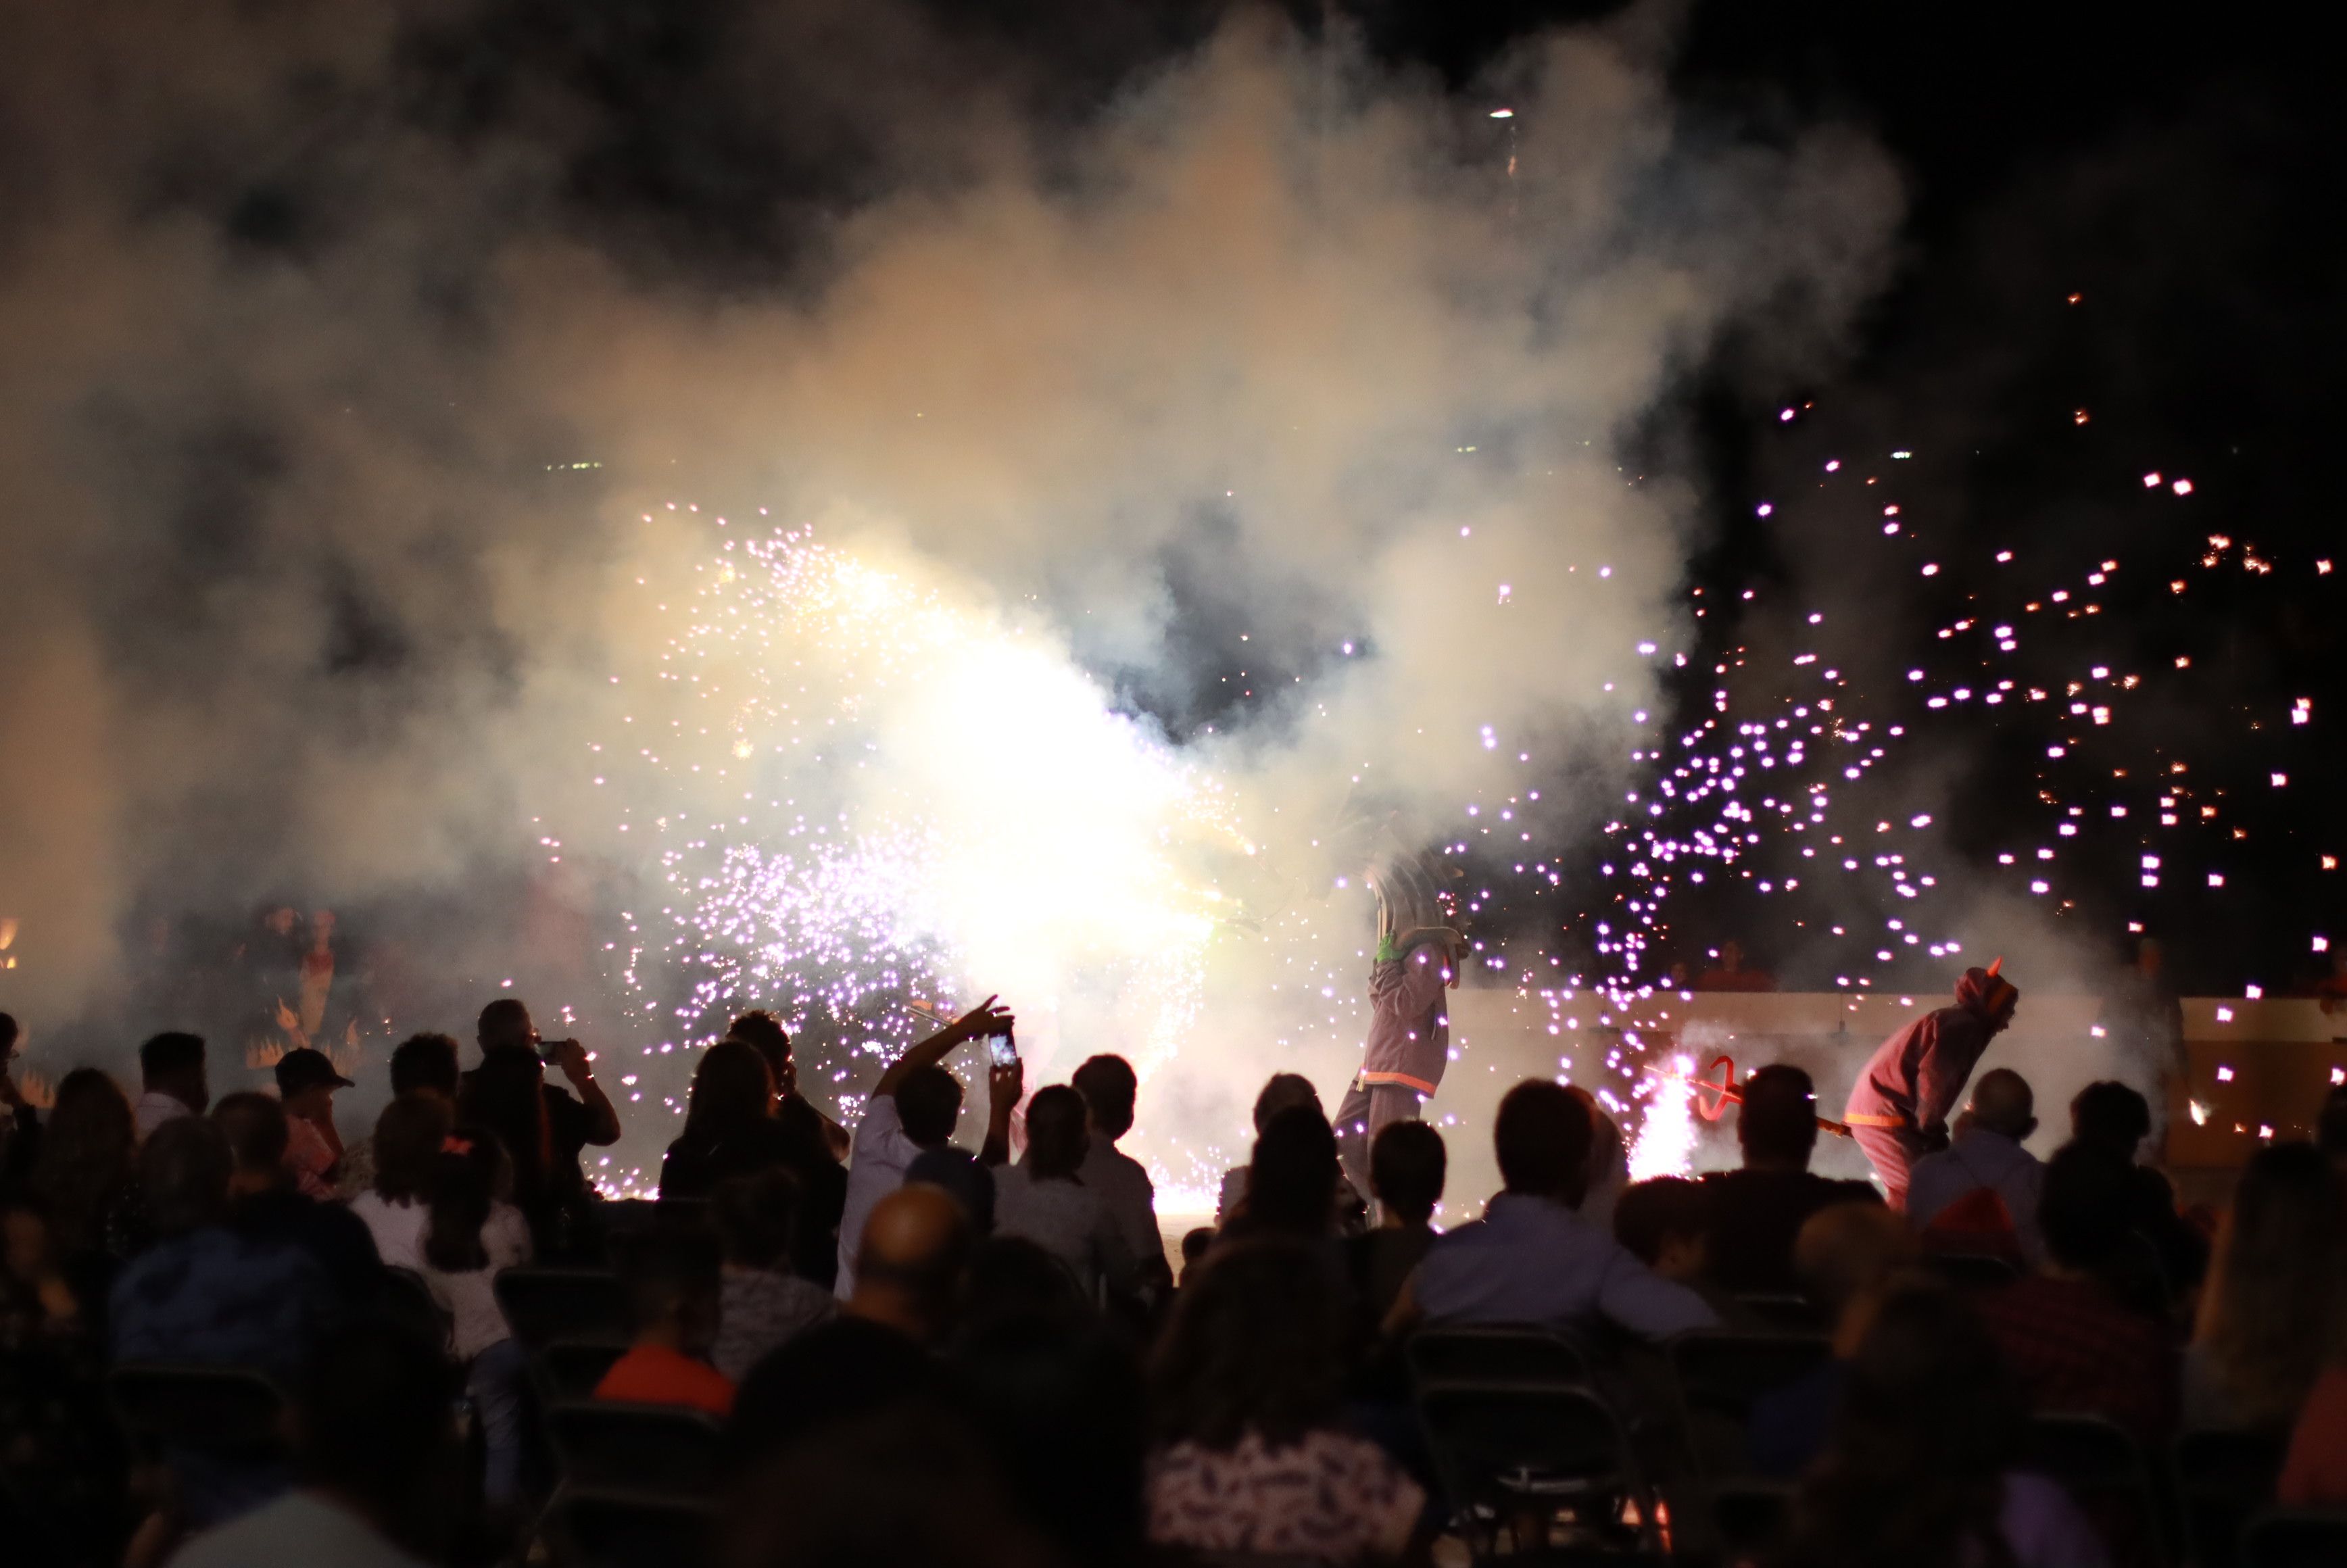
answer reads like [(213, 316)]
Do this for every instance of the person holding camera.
[(542, 1127), (913, 1108)]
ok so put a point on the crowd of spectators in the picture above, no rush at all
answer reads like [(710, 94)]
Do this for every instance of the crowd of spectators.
[(912, 1352)]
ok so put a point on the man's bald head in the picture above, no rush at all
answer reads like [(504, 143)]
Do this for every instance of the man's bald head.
[(2001, 1102), (1848, 1251), (910, 1264)]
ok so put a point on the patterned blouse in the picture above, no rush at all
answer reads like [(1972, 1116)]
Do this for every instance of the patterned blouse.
[(1333, 1497)]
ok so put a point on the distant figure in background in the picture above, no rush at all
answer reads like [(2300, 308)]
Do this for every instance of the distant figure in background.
[(171, 1078), (1899, 1110), (1043, 1198), (1979, 1193), (2277, 1291), (1731, 975), (1407, 1166), (306, 1082), (671, 1278), (1757, 1211), (2115, 1118), (2070, 1341), (1110, 1089), (1418, 957)]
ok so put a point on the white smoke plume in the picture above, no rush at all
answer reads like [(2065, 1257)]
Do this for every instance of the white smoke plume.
[(299, 588)]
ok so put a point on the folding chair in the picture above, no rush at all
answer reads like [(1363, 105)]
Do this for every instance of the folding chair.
[(605, 1527), (2295, 1538), (1523, 1457), (2103, 1468), (2222, 1479), (543, 1305), (1721, 1373), (1496, 1355), (666, 1451)]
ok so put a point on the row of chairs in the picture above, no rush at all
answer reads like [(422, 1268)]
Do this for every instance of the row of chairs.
[(1517, 1417)]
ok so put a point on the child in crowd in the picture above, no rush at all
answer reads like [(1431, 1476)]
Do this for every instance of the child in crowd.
[(408, 1136), (672, 1276), (471, 1235), (761, 1303)]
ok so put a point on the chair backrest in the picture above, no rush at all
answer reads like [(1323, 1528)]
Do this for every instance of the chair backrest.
[(2222, 1478), (215, 1410), (1506, 1447), (543, 1305), (2103, 1467), (603, 1527), (2295, 1538), (1971, 1270), (571, 1369), (665, 1450), (1495, 1354)]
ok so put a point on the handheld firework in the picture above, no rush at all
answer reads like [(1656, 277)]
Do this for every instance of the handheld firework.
[(1712, 1099)]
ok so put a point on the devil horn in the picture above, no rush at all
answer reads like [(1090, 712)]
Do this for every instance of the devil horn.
[(1994, 965)]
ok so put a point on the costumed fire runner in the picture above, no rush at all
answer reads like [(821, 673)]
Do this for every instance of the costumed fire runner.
[(1418, 957), (1899, 1111)]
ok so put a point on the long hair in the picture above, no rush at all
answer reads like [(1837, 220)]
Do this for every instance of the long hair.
[(407, 1142), (462, 1177), (506, 1095), (1056, 1138), (2277, 1289), (733, 1090), (88, 1157), (1255, 1345), (1292, 1177), (1914, 1475)]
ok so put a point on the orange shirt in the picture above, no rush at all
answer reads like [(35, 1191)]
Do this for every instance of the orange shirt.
[(654, 1375), (2315, 1473)]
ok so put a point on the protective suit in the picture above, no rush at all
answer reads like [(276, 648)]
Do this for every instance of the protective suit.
[(1418, 958), (1899, 1111)]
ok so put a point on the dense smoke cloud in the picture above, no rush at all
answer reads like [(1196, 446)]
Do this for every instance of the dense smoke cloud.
[(309, 315)]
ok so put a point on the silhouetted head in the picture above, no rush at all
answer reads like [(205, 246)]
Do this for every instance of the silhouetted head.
[(1408, 1164), (1110, 1088), (183, 1173), (1541, 1136), (1777, 1123), (2001, 1102), (1056, 1138), (928, 1103), (506, 1022), (172, 1064), (910, 1263), (2111, 1116), (425, 1063)]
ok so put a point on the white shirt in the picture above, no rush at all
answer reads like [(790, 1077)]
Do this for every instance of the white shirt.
[(154, 1109), (397, 1228), (470, 1298), (877, 1159), (298, 1527)]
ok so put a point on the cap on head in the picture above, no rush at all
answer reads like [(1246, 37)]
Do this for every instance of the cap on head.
[(306, 1069)]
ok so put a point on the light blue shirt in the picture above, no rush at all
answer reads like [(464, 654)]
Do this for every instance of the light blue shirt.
[(1532, 1261)]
